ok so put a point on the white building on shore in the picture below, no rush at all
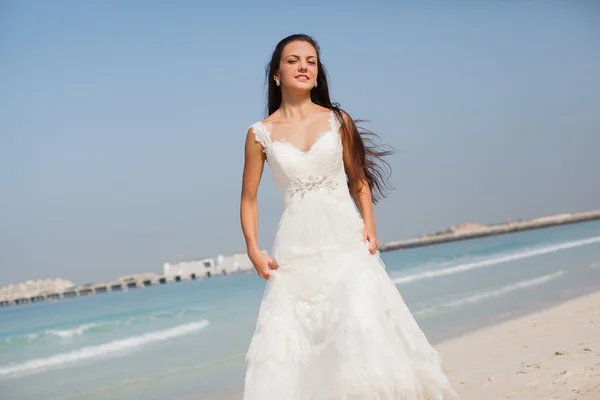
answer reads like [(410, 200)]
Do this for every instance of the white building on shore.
[(233, 263), (187, 269), (222, 264)]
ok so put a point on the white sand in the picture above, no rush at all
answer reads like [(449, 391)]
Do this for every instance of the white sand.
[(550, 355)]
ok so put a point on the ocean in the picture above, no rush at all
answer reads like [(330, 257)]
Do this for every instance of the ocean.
[(187, 340)]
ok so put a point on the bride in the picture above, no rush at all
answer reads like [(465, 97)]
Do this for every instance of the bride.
[(331, 325)]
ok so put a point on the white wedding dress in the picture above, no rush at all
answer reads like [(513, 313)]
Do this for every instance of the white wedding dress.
[(332, 325)]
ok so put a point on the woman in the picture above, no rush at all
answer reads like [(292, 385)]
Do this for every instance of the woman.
[(331, 325)]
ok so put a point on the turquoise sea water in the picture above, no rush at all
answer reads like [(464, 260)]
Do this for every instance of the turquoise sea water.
[(187, 340)]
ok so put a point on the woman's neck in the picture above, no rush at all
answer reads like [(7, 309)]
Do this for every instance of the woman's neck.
[(296, 106)]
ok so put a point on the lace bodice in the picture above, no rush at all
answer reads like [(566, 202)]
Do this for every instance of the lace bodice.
[(320, 169)]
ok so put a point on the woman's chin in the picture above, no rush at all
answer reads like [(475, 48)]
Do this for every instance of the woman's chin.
[(301, 87)]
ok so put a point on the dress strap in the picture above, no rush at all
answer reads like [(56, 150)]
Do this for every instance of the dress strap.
[(261, 134), (334, 122)]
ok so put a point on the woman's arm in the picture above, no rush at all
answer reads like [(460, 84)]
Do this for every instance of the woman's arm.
[(253, 168), (359, 187)]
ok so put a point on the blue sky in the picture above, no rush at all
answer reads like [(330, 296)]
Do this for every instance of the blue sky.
[(122, 124)]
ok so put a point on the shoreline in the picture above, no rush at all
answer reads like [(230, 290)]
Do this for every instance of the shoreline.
[(468, 231), (523, 312), (550, 354)]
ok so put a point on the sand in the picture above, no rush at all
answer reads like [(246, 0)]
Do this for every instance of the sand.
[(550, 355)]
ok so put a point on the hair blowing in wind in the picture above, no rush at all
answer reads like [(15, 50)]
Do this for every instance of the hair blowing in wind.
[(367, 156)]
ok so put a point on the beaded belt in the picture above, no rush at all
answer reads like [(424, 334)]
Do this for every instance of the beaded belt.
[(311, 184)]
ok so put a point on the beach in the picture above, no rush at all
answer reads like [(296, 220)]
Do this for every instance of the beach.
[(552, 354)]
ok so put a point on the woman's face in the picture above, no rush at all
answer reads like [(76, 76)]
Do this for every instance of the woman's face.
[(298, 66)]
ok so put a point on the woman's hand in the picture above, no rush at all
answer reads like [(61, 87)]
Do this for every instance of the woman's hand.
[(263, 264), (370, 236)]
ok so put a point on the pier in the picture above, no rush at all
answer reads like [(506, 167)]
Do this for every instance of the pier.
[(116, 286)]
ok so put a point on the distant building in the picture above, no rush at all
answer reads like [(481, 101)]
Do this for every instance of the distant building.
[(185, 269), (233, 263)]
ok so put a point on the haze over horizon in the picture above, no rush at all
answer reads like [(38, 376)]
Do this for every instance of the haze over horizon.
[(123, 124)]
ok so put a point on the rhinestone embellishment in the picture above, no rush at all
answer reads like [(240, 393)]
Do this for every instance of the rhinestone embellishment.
[(313, 183)]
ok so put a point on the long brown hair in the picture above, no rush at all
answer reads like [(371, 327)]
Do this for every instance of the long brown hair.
[(367, 157)]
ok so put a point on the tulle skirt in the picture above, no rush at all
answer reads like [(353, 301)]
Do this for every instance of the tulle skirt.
[(332, 325)]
